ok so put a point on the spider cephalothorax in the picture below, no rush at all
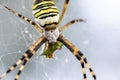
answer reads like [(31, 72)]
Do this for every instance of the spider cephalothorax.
[(52, 35), (47, 16)]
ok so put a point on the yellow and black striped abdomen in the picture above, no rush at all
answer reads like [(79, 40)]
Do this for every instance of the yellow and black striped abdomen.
[(45, 13)]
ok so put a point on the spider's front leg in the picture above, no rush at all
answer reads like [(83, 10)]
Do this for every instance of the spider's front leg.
[(35, 25), (79, 55), (66, 3), (25, 58)]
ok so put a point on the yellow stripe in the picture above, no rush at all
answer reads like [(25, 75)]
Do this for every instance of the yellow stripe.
[(88, 65), (81, 61), (44, 2), (48, 15), (83, 57), (83, 70), (18, 62), (22, 67), (27, 59), (85, 79), (25, 55), (92, 73), (11, 68), (45, 11), (16, 77)]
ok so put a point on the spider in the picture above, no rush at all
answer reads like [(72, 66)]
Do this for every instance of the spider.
[(47, 23)]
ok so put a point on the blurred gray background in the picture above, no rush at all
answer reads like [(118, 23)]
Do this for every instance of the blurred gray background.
[(98, 39)]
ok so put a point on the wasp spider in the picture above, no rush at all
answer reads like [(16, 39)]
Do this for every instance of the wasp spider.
[(47, 16)]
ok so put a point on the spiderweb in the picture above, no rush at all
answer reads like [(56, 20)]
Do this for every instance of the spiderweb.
[(16, 36)]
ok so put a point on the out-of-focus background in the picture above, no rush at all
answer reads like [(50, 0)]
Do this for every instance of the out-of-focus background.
[(98, 39)]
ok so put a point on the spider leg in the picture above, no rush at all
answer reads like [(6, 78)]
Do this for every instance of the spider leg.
[(20, 70), (46, 45), (70, 23), (26, 56), (29, 53), (83, 68), (12, 67), (23, 65), (35, 25), (63, 11), (79, 55)]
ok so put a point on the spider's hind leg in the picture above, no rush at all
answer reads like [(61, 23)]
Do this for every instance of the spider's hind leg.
[(12, 67), (87, 64), (80, 56), (20, 70), (25, 58), (83, 67)]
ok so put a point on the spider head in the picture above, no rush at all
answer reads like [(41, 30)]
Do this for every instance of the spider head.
[(52, 35)]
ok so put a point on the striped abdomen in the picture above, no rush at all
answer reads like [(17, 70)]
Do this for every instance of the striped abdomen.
[(45, 13)]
